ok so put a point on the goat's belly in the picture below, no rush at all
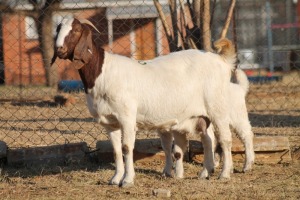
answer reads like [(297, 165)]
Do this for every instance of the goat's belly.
[(187, 126), (164, 126)]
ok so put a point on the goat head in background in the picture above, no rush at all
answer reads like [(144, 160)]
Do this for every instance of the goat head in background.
[(73, 42)]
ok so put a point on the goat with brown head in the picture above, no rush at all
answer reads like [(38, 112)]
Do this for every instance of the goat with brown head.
[(74, 42)]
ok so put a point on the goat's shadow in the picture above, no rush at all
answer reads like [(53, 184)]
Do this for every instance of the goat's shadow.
[(29, 170), (41, 104)]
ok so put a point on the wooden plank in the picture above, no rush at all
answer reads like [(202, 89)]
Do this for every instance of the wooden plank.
[(72, 152), (144, 149), (261, 143), (267, 149), (266, 157), (275, 149)]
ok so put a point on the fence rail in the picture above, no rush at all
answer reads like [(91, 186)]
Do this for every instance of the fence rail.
[(33, 114)]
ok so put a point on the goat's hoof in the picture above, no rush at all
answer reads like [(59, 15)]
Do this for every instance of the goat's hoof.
[(224, 176), (127, 184), (167, 174), (247, 167), (113, 182), (179, 176), (203, 174)]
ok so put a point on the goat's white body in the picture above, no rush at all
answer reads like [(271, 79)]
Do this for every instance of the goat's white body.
[(163, 94), (166, 90)]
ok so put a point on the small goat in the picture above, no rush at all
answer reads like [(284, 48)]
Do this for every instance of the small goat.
[(238, 120), (166, 93)]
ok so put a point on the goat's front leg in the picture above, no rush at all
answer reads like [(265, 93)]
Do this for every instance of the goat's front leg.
[(115, 138), (180, 146), (128, 133), (166, 142), (208, 141)]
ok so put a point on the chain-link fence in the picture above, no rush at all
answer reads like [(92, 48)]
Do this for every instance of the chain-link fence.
[(45, 105)]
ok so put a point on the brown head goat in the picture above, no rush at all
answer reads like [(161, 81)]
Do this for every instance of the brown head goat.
[(163, 94), (74, 42)]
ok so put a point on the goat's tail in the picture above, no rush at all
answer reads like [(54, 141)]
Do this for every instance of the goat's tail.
[(226, 49), (242, 80)]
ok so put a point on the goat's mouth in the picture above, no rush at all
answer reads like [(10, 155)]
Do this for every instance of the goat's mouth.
[(62, 55)]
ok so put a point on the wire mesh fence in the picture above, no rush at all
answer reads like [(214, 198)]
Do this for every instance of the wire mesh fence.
[(45, 105)]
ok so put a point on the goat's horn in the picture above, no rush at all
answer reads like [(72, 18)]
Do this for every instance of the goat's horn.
[(85, 21)]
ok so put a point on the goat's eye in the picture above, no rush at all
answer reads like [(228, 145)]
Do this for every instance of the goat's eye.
[(76, 30)]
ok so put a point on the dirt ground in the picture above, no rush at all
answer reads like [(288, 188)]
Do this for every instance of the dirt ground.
[(90, 181), (30, 117)]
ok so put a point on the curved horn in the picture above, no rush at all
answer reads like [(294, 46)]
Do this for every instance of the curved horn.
[(85, 21)]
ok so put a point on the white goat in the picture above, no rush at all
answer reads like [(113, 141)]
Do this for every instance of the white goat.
[(166, 93), (238, 120)]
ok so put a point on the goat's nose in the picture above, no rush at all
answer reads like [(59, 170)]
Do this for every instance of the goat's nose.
[(61, 49)]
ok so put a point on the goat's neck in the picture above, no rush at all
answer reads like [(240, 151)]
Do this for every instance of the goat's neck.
[(90, 71)]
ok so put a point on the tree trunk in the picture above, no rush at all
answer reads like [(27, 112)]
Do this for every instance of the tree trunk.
[(45, 30)]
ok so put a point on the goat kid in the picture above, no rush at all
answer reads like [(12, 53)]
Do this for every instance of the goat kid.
[(239, 121), (165, 93), (201, 126)]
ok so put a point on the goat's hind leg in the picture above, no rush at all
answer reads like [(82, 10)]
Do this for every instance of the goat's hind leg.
[(208, 141), (243, 129), (225, 140), (167, 142), (115, 138)]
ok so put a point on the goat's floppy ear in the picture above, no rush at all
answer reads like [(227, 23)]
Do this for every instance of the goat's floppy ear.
[(54, 52), (83, 49)]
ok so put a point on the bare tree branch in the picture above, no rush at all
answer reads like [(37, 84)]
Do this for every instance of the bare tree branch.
[(189, 40), (183, 12), (206, 26), (163, 18), (228, 19), (165, 24), (197, 12), (173, 9)]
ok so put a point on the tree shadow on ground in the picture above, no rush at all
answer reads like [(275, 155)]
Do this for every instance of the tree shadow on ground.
[(272, 120)]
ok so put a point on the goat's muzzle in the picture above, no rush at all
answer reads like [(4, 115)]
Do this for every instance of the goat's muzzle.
[(61, 52)]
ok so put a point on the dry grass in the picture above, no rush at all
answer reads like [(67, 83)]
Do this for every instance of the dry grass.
[(274, 109), (89, 181)]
